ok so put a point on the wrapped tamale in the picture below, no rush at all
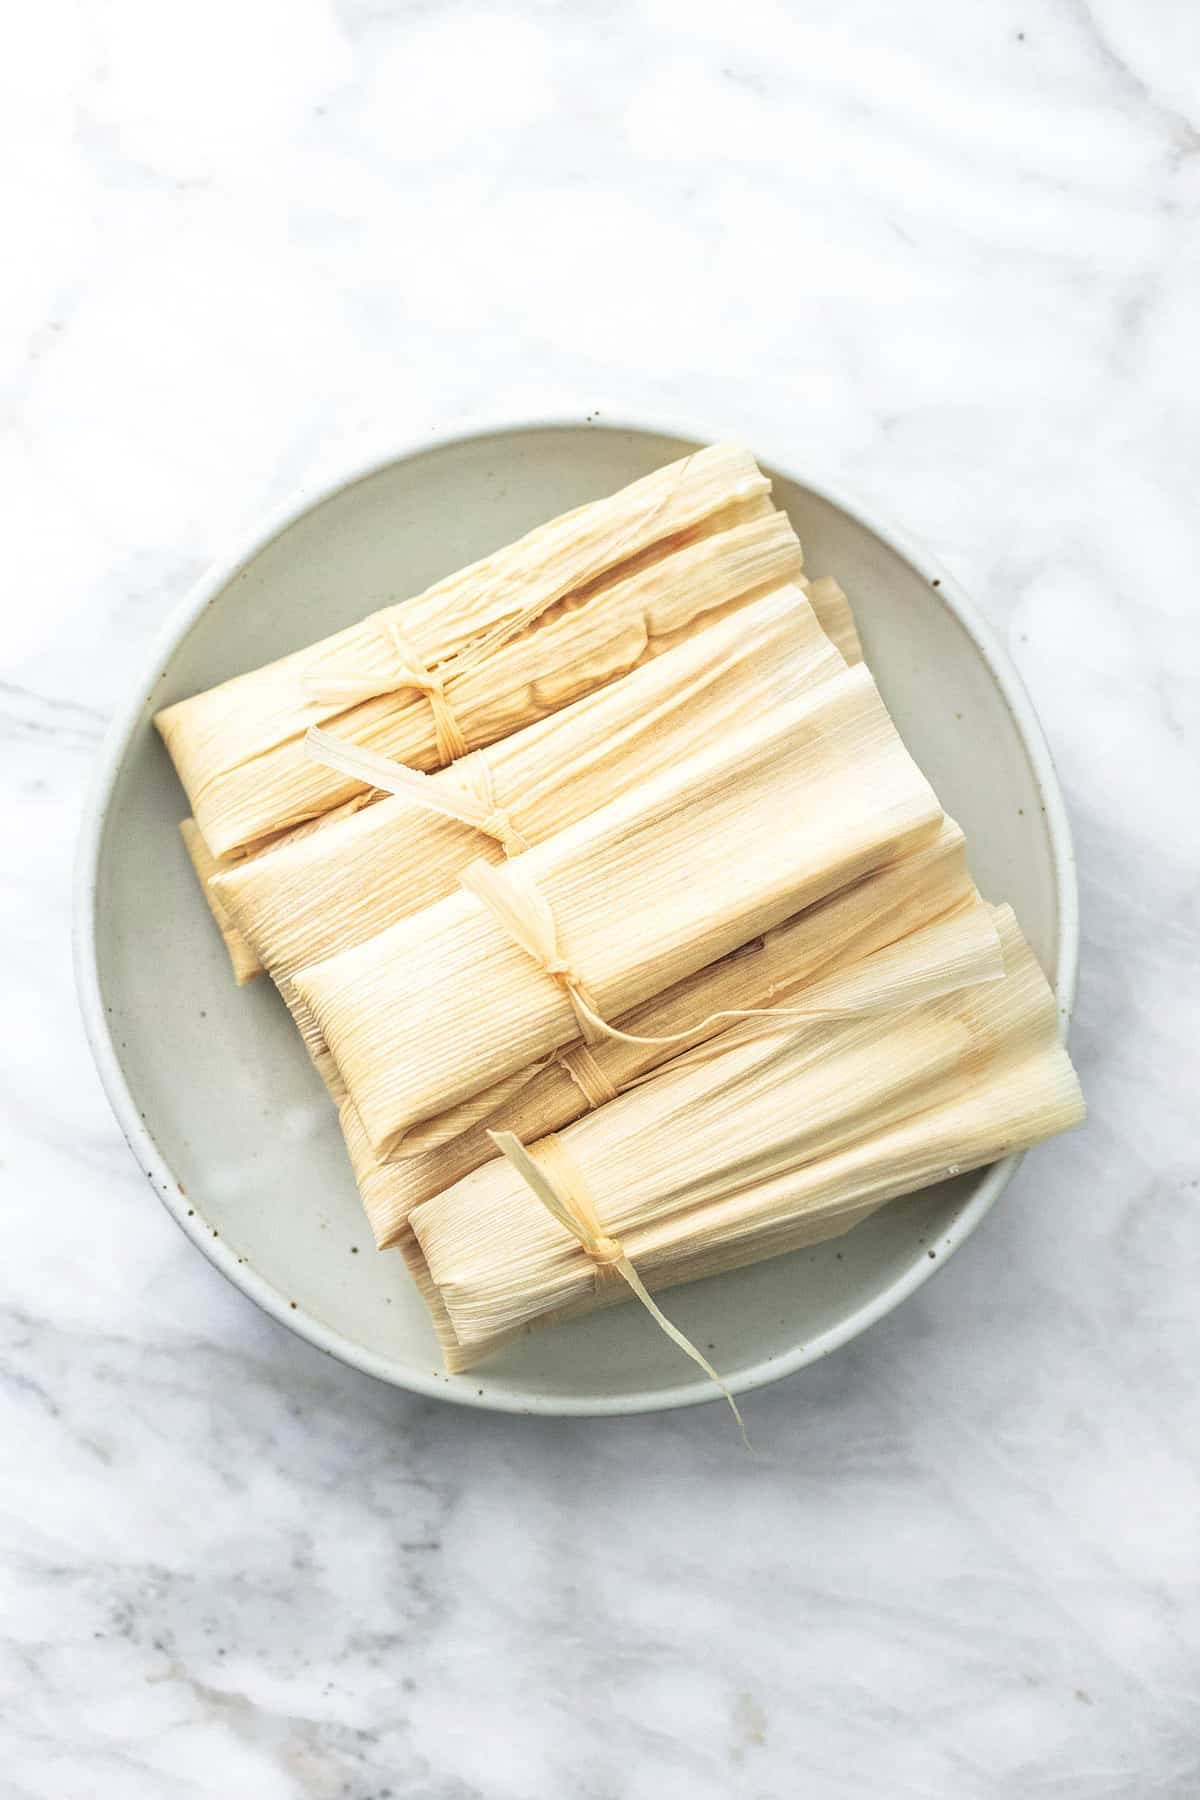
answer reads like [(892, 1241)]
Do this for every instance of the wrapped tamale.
[(477, 655), (762, 1140), (776, 970), (342, 884), (668, 878)]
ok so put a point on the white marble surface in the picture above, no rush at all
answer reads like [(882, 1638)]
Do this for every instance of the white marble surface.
[(948, 255)]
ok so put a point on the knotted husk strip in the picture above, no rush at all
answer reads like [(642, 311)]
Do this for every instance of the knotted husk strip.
[(481, 632), (929, 884), (344, 883), (559, 1184), (670, 877), (753, 1145)]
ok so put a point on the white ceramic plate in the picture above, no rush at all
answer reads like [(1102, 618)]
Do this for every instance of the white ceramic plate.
[(211, 1085)]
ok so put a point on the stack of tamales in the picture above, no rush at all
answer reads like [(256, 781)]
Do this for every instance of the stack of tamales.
[(629, 940)]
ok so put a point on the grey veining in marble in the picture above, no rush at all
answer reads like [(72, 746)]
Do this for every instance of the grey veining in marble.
[(948, 256)]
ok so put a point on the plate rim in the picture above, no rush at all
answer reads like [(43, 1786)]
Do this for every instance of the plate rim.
[(110, 761)]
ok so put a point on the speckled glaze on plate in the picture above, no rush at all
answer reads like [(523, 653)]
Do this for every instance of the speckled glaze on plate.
[(211, 1085)]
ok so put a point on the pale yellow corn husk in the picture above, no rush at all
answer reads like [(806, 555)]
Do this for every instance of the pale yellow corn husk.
[(661, 882), (902, 897), (835, 617), (244, 962), (515, 636), (752, 1145), (344, 883)]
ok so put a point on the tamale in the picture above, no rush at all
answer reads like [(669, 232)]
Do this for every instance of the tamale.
[(753, 1144), (666, 879), (851, 925), (480, 653), (342, 884)]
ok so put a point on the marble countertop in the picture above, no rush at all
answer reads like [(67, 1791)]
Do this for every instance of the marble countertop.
[(950, 256)]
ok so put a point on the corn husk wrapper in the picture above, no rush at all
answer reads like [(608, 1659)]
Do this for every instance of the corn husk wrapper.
[(500, 643), (342, 884), (778, 969), (244, 962), (835, 617), (751, 1146), (663, 881)]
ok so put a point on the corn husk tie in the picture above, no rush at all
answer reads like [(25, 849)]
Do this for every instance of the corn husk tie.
[(587, 1075), (555, 1179), (473, 804), (411, 672), (576, 1061), (521, 908)]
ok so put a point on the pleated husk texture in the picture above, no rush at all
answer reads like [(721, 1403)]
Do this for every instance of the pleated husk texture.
[(930, 883), (477, 655), (754, 1144), (341, 885), (675, 874)]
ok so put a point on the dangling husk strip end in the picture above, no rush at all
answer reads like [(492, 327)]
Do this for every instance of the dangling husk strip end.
[(555, 1180)]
